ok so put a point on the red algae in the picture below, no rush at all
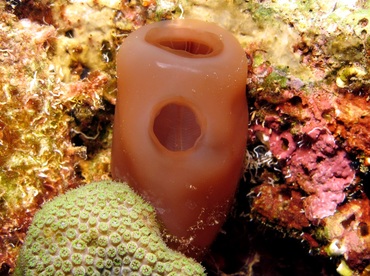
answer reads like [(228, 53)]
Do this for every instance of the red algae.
[(353, 120), (280, 204)]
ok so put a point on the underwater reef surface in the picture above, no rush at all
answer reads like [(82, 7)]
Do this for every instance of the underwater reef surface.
[(303, 205)]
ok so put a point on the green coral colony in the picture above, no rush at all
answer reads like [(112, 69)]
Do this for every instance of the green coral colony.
[(103, 228)]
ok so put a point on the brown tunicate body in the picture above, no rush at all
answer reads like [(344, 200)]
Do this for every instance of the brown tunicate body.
[(181, 124)]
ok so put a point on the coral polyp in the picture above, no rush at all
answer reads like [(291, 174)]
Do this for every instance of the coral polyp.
[(102, 228)]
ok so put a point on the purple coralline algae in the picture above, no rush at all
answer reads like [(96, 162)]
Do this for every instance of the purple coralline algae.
[(314, 164), (322, 171)]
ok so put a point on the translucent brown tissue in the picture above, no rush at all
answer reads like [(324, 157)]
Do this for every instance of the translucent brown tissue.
[(180, 125)]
